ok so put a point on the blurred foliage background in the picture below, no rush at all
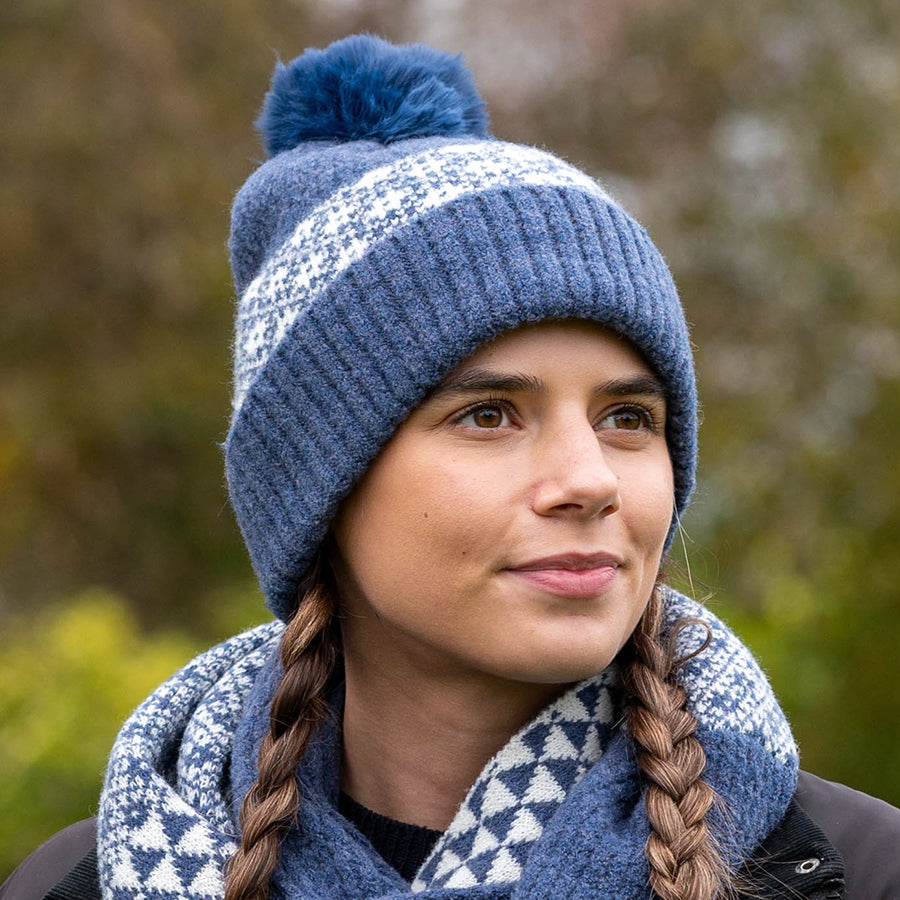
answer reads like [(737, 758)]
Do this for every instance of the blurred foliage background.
[(759, 144)]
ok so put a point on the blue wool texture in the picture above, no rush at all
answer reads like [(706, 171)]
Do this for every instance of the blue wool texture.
[(384, 242)]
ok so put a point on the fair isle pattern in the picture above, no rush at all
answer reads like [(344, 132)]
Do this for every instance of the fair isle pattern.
[(340, 230), (156, 840), (726, 688), (521, 788)]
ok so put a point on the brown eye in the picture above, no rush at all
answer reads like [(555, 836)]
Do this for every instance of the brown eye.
[(630, 420), (626, 420), (488, 416)]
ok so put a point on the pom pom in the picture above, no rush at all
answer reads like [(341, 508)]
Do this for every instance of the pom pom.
[(363, 88)]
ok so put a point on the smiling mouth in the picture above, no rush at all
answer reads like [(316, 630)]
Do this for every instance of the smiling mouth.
[(570, 575)]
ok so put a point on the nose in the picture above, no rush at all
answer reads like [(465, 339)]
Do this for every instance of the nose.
[(574, 476)]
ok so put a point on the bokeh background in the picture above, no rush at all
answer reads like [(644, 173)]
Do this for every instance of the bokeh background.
[(759, 142)]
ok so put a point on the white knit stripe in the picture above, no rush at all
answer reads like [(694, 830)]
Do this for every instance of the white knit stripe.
[(344, 227)]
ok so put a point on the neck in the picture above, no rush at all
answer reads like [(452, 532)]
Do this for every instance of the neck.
[(412, 747)]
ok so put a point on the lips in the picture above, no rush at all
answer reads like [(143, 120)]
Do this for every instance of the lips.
[(575, 575), (574, 562)]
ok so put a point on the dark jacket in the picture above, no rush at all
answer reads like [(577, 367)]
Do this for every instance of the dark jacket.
[(832, 843)]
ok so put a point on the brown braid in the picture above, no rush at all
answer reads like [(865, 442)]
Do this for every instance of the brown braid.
[(308, 652), (685, 863)]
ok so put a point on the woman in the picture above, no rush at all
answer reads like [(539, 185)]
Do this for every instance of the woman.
[(464, 430)]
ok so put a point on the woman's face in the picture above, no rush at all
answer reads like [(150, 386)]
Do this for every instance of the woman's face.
[(513, 526)]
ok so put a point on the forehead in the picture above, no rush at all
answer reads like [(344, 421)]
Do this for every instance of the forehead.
[(558, 346)]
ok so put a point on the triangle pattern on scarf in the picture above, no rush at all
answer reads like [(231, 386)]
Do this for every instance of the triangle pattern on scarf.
[(164, 877), (497, 797), (124, 875), (151, 835), (208, 883), (196, 842), (525, 829), (558, 746), (504, 868), (519, 790), (544, 788)]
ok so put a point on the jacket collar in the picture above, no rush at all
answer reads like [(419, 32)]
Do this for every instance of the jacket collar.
[(795, 861)]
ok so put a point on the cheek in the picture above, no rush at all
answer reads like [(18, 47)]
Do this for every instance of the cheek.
[(650, 504), (410, 522)]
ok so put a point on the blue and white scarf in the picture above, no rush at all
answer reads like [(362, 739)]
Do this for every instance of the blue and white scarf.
[(556, 812)]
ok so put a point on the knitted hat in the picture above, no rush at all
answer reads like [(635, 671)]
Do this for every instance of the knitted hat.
[(387, 237)]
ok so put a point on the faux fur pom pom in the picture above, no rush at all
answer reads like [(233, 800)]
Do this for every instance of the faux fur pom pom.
[(363, 88)]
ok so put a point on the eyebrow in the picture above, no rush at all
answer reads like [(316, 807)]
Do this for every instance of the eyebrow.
[(476, 381)]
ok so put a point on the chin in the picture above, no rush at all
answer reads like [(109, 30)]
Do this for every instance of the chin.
[(563, 668), (584, 650)]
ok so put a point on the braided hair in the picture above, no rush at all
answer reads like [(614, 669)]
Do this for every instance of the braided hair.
[(309, 649), (685, 863)]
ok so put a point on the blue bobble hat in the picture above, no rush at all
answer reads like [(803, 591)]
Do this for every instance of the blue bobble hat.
[(386, 238)]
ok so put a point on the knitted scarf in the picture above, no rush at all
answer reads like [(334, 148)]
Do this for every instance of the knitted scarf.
[(556, 812)]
